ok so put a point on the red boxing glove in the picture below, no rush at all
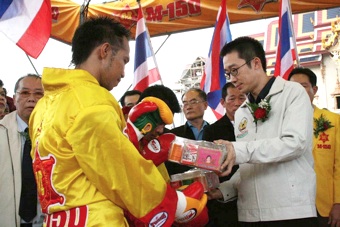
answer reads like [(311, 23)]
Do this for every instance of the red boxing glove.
[(201, 220), (190, 206), (143, 119), (195, 212), (157, 149), (149, 113)]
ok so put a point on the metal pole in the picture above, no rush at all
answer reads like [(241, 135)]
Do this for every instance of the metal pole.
[(32, 65)]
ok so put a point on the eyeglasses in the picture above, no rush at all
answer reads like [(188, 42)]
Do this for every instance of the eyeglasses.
[(191, 102), (234, 71), (26, 94)]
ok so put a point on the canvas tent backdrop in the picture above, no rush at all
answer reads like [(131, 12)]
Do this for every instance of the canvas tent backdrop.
[(170, 16), (165, 17)]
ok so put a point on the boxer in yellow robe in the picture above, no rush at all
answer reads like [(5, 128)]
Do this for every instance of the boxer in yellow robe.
[(87, 171)]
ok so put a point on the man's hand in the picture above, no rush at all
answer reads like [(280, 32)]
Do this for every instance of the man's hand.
[(228, 164), (334, 216), (214, 194)]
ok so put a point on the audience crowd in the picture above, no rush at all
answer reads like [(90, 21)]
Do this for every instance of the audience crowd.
[(69, 153)]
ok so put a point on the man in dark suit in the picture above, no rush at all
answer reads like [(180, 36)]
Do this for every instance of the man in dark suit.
[(194, 104), (223, 128), (224, 214)]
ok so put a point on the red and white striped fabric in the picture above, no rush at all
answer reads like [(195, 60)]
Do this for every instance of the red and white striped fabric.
[(286, 48), (213, 78), (146, 70), (27, 23)]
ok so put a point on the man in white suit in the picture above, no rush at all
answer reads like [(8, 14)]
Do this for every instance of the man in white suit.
[(28, 90)]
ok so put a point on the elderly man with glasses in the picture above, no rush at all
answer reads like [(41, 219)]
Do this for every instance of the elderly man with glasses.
[(19, 200), (194, 105)]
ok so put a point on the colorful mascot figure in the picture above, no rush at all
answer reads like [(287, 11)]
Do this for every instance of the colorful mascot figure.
[(141, 128)]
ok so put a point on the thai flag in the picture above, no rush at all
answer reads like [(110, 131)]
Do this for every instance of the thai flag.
[(286, 48), (213, 78), (146, 70), (27, 23)]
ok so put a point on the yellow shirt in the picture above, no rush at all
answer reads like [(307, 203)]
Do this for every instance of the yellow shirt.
[(326, 153), (86, 169)]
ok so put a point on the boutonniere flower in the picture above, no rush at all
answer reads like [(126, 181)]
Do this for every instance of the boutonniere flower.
[(260, 111), (26, 135), (321, 125)]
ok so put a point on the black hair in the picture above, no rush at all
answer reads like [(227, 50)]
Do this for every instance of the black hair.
[(306, 71), (247, 49), (165, 94), (129, 93), (94, 32), (225, 89)]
